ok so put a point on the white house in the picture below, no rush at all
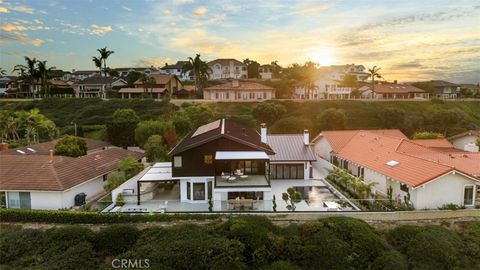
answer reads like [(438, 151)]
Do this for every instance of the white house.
[(431, 177), (227, 68), (38, 181), (337, 72), (466, 141), (323, 88), (235, 90), (176, 69), (96, 86), (265, 72)]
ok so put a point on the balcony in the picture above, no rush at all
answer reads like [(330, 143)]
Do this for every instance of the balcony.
[(241, 169)]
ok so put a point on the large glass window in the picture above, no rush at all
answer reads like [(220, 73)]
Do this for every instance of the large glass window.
[(287, 171), (199, 191), (468, 195), (19, 200)]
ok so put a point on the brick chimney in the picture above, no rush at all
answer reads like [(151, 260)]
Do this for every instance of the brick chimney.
[(51, 156), (3, 146)]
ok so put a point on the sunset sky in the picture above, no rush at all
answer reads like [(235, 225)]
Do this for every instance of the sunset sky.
[(410, 40)]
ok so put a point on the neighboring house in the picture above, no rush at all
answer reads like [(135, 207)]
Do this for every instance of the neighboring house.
[(176, 69), (123, 72), (432, 178), (6, 84), (265, 72), (61, 87), (52, 182), (466, 141), (187, 91), (163, 85), (224, 161), (337, 72), (323, 88), (227, 69), (96, 86), (445, 89), (83, 74), (392, 91), (238, 90)]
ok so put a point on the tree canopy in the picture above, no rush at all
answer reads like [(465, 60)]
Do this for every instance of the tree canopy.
[(71, 146), (121, 127)]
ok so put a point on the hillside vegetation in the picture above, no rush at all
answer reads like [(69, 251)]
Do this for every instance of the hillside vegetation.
[(250, 242), (445, 117)]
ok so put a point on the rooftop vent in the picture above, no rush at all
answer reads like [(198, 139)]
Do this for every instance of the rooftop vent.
[(21, 152), (392, 163)]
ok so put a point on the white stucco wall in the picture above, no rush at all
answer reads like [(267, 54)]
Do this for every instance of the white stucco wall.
[(379, 179), (322, 149), (91, 188), (47, 200), (446, 189), (461, 142)]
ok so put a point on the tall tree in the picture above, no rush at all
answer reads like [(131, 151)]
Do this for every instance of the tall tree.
[(104, 54), (200, 70), (252, 68), (148, 83), (28, 72), (373, 74), (44, 74), (98, 62)]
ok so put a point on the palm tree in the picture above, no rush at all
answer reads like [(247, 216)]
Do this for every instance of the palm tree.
[(98, 63), (28, 72), (200, 70), (104, 54), (44, 75), (3, 72), (373, 73), (148, 82)]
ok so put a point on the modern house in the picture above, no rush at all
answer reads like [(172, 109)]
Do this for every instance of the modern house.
[(445, 89), (96, 86), (226, 163), (466, 141), (392, 91), (227, 68), (176, 69), (431, 178), (31, 179), (235, 90)]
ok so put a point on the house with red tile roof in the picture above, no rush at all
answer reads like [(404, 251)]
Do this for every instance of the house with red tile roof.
[(432, 177), (393, 91), (227, 68), (32, 179), (161, 85), (239, 91)]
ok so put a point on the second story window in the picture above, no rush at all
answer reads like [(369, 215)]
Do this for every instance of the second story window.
[(207, 159), (177, 161)]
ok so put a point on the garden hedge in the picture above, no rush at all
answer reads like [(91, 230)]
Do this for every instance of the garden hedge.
[(77, 217)]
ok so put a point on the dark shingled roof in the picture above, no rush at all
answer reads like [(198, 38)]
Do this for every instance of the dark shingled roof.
[(226, 129), (290, 147), (39, 172)]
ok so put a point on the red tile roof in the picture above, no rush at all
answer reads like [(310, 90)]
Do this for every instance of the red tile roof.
[(417, 164), (240, 86), (159, 79), (437, 143), (391, 88), (38, 172)]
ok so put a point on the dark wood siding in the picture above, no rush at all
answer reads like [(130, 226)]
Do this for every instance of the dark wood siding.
[(192, 159)]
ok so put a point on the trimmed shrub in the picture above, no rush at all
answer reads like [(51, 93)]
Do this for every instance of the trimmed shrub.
[(391, 260), (116, 239), (76, 217), (79, 256)]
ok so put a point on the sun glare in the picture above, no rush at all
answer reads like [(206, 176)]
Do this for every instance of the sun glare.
[(324, 56)]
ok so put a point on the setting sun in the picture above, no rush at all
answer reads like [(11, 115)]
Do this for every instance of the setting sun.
[(324, 56)]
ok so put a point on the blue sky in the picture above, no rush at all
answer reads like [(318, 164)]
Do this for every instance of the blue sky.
[(410, 40)]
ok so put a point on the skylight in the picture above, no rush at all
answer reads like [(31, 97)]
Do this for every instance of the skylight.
[(21, 152), (392, 163), (31, 149)]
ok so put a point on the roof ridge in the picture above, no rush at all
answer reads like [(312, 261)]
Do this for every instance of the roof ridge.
[(55, 175), (421, 158)]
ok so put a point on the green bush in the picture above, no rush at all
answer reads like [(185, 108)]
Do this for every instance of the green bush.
[(121, 127), (77, 217), (116, 239), (79, 256), (451, 206), (129, 166), (282, 265), (114, 180)]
